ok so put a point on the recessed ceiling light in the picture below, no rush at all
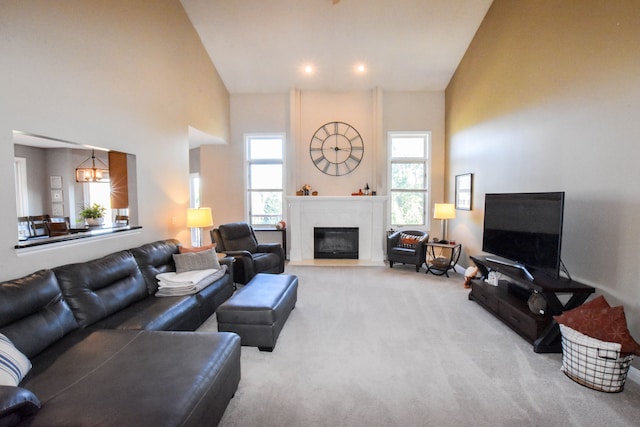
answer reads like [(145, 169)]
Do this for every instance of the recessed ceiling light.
[(360, 68), (308, 69)]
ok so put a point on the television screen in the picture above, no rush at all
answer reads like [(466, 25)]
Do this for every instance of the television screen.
[(525, 228)]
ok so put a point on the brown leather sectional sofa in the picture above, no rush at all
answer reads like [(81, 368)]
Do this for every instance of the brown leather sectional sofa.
[(106, 351)]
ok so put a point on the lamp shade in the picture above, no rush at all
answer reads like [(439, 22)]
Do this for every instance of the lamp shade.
[(444, 211), (199, 217)]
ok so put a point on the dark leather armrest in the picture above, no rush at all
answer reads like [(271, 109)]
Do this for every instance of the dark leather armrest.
[(238, 253), (393, 238), (228, 261), (16, 404), (269, 247)]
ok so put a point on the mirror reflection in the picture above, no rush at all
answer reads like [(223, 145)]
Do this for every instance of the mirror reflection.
[(68, 190)]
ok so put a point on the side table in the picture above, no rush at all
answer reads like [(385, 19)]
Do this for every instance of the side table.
[(442, 257)]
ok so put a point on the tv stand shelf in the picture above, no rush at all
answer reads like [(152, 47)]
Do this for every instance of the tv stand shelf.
[(508, 302)]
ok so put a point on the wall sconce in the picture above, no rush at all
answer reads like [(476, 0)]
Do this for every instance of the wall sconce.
[(199, 218), (444, 211), (87, 171)]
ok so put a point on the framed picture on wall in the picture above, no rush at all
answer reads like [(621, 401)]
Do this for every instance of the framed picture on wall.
[(56, 195), (57, 209), (55, 181), (464, 191)]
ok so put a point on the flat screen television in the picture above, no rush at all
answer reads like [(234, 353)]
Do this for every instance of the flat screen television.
[(526, 229)]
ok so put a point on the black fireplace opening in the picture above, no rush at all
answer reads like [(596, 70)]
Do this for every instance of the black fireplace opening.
[(335, 242)]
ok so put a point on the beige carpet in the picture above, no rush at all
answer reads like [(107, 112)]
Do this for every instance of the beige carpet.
[(373, 346)]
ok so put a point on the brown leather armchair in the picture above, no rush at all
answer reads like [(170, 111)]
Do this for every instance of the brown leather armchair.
[(407, 247), (237, 239)]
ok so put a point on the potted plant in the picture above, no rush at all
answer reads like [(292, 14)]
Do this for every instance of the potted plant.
[(93, 214)]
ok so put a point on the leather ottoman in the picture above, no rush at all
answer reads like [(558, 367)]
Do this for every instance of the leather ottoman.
[(259, 310)]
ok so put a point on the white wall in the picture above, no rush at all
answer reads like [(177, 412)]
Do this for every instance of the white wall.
[(299, 115), (546, 99), (130, 76)]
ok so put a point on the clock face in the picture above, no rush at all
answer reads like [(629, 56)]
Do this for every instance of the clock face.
[(336, 148)]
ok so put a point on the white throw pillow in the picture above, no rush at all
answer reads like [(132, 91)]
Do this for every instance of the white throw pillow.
[(13, 364)]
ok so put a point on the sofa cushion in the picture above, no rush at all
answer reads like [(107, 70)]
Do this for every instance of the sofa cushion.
[(13, 364), (179, 313), (135, 378), (98, 288), (33, 313), (155, 258)]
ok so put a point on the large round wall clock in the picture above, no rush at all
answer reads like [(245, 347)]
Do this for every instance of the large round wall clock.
[(336, 148)]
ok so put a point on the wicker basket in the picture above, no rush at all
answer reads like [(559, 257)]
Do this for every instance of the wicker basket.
[(595, 364)]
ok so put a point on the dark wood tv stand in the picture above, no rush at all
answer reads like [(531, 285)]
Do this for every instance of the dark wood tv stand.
[(508, 302)]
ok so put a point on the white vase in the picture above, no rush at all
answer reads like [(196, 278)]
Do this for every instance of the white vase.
[(94, 222)]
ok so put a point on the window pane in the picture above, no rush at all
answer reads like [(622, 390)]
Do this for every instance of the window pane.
[(266, 207), (263, 148), (265, 176), (407, 147), (407, 208), (408, 176), (100, 193)]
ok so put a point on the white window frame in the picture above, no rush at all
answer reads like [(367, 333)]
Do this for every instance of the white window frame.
[(195, 196), (427, 162), (247, 169), (22, 192)]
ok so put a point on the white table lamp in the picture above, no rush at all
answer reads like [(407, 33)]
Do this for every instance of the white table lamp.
[(444, 211), (199, 218)]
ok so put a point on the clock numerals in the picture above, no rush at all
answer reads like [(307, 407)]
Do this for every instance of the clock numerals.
[(336, 148)]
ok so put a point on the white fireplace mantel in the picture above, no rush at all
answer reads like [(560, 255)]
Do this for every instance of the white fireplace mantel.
[(365, 212)]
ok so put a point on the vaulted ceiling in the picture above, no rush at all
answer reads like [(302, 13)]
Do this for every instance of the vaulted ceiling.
[(262, 46)]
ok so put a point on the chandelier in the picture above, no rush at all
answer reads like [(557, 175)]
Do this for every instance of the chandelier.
[(92, 170)]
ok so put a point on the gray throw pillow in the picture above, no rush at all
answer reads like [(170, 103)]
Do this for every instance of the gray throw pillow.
[(196, 261)]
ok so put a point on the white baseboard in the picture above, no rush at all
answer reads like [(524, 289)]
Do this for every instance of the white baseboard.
[(634, 375)]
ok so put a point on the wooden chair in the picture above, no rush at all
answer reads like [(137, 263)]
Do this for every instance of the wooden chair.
[(39, 225), (24, 227), (122, 220), (58, 226)]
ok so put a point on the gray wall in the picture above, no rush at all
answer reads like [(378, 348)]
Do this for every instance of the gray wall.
[(547, 99), (127, 76)]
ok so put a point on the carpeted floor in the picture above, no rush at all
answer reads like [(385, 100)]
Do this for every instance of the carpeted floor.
[(373, 346)]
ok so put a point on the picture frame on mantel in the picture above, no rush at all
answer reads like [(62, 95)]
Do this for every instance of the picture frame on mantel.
[(464, 192)]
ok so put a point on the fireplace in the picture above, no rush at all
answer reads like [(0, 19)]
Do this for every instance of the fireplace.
[(335, 242), (367, 214)]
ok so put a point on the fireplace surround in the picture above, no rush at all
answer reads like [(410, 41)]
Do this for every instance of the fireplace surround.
[(366, 213)]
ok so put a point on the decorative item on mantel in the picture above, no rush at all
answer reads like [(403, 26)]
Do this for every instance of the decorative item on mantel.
[(305, 191), (367, 191)]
